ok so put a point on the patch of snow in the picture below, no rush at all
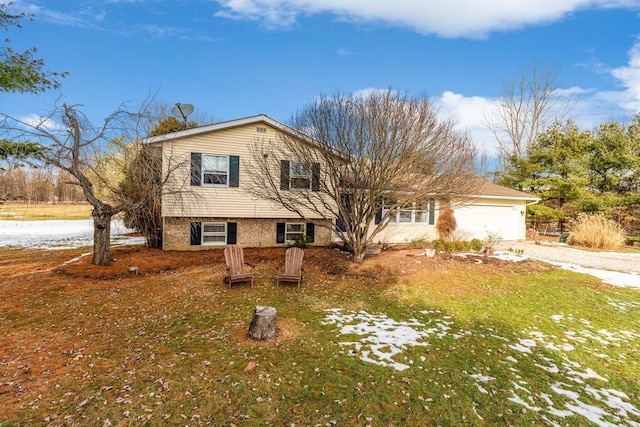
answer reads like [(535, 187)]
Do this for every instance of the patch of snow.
[(623, 305), (59, 234), (78, 258), (614, 278), (523, 345), (508, 256), (383, 338)]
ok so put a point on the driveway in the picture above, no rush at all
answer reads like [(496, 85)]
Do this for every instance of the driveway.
[(615, 261)]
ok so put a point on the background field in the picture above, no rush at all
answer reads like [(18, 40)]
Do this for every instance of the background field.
[(25, 211)]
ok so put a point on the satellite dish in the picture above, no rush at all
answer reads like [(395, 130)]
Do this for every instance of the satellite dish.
[(182, 110)]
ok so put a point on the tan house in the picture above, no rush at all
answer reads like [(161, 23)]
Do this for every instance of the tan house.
[(208, 203)]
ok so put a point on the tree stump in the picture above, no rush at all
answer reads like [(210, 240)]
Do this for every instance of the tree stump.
[(263, 325)]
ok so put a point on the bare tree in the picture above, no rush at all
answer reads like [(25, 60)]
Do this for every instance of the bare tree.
[(350, 163), (81, 150), (144, 173), (529, 104)]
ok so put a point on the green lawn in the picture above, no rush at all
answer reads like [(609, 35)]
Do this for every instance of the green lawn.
[(406, 342)]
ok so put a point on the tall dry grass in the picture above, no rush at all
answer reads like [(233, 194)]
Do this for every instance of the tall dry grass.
[(596, 231)]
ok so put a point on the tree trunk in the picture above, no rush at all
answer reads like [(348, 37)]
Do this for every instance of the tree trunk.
[(101, 237), (263, 325)]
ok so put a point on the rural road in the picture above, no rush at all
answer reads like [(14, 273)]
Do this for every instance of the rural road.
[(615, 261)]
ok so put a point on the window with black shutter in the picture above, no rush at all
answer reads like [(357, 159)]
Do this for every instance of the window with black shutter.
[(215, 170)]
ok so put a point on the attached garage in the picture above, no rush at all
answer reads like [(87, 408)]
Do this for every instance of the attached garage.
[(478, 221), (495, 210)]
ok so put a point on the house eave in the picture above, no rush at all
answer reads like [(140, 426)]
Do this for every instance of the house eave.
[(485, 196)]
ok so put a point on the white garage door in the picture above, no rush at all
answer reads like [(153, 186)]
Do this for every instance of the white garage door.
[(478, 220)]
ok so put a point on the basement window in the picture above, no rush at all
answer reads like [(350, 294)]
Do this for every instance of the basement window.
[(214, 233)]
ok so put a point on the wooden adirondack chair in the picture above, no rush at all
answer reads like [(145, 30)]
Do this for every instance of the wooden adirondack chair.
[(234, 262), (293, 267)]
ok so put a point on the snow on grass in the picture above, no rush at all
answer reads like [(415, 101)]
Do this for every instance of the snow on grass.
[(59, 234), (383, 338), (573, 390), (615, 278), (623, 305)]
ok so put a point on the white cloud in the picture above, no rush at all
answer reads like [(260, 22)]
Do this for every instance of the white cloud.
[(453, 18), (469, 114), (629, 77), (41, 122), (344, 52)]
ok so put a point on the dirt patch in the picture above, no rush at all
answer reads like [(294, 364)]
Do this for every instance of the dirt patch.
[(150, 262)]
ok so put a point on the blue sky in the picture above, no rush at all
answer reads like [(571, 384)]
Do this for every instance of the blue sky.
[(237, 58)]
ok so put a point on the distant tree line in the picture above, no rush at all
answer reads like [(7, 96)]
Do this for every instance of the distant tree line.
[(38, 185)]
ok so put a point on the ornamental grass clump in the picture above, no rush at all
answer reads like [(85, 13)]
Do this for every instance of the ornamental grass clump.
[(596, 231)]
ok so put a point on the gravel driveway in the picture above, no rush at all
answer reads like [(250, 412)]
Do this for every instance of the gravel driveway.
[(615, 261)]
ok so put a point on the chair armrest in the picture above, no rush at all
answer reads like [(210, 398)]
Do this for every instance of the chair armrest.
[(250, 264)]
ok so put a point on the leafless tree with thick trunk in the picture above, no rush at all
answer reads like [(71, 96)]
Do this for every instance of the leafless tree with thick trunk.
[(529, 104), (350, 163), (97, 159)]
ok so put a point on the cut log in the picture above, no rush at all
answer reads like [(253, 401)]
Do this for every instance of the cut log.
[(263, 325)]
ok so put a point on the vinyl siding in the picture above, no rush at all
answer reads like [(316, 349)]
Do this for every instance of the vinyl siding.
[(198, 201)]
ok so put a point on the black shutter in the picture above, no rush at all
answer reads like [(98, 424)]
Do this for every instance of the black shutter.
[(345, 201), (196, 233), (315, 177), (232, 233), (280, 227), (378, 216), (310, 232), (432, 211), (284, 174), (234, 171), (196, 169)]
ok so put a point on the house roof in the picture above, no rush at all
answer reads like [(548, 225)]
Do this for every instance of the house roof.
[(260, 118), (487, 189)]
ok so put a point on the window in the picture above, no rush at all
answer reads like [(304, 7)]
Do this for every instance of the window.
[(404, 216), (289, 232), (300, 176), (215, 170), (261, 129), (214, 233), (421, 214), (293, 232)]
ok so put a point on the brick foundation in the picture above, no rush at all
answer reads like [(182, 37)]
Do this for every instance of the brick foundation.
[(250, 233)]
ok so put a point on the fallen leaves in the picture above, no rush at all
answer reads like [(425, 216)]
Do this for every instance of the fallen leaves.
[(251, 366)]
